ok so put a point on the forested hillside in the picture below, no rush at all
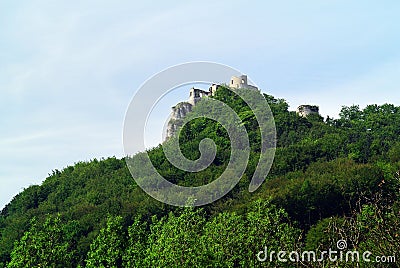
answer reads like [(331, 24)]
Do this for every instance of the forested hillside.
[(332, 179)]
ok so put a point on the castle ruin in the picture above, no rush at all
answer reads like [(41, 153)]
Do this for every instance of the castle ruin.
[(240, 82), (180, 110), (196, 94), (306, 110)]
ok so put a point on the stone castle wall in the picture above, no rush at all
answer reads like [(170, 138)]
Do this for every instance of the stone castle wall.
[(180, 110), (306, 110)]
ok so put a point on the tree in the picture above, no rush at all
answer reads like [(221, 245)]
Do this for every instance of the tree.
[(135, 252), (232, 240), (43, 246), (222, 240), (174, 240), (107, 248)]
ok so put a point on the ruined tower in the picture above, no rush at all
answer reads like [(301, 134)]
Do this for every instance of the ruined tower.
[(306, 110), (240, 82)]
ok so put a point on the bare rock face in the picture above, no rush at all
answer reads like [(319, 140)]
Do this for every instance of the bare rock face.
[(179, 111)]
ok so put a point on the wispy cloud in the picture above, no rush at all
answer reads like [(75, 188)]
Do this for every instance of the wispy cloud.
[(68, 70)]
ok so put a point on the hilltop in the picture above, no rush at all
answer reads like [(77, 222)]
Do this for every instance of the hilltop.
[(331, 179)]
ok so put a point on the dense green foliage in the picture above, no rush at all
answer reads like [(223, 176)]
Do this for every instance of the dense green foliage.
[(331, 179)]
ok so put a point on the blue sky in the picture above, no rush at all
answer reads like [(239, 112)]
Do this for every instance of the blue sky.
[(68, 70)]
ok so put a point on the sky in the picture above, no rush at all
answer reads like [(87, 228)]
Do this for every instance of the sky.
[(68, 69)]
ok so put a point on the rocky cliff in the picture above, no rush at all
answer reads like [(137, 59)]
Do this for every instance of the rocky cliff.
[(179, 111)]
